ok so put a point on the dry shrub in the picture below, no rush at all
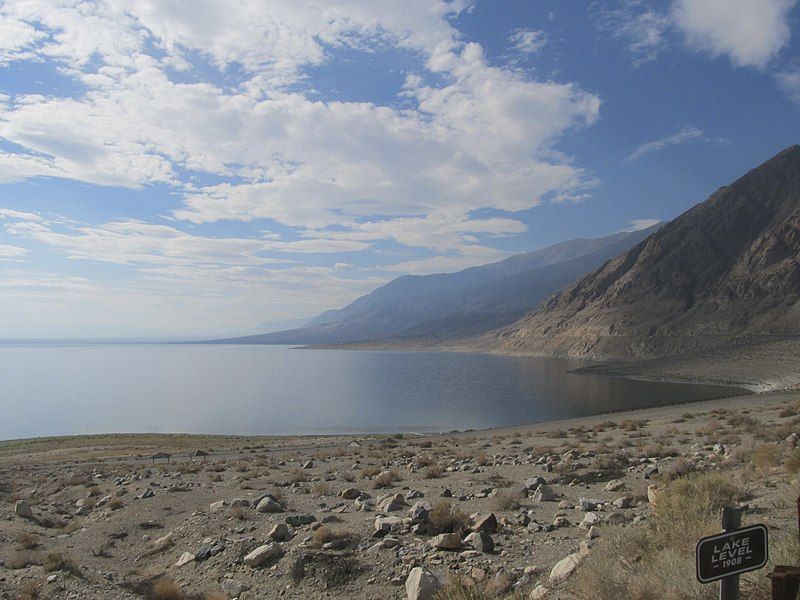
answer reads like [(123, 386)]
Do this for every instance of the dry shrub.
[(332, 569), (766, 456), (20, 560), (507, 499), (447, 518), (464, 588), (116, 503), (369, 471), (320, 489), (324, 535), (386, 479), (433, 472), (31, 591), (692, 503), (792, 464), (28, 541), (166, 589), (55, 561)]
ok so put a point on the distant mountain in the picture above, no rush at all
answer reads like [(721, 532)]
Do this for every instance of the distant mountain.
[(468, 302), (725, 272)]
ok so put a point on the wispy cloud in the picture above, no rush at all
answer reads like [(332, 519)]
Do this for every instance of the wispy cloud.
[(641, 27), (527, 41), (683, 136)]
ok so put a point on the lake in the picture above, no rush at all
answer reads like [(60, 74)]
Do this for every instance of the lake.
[(59, 389)]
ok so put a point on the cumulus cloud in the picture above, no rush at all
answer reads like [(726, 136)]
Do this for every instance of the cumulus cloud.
[(207, 104), (748, 32)]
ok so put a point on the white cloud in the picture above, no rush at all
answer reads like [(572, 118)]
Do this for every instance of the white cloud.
[(643, 28), (462, 135), (685, 135), (748, 32), (10, 252), (789, 81), (527, 41)]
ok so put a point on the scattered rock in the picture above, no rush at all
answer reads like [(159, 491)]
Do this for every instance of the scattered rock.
[(23, 509), (564, 568), (263, 554), (446, 541), (421, 584), (481, 541)]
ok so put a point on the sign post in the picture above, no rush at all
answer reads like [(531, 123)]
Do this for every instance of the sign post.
[(725, 556)]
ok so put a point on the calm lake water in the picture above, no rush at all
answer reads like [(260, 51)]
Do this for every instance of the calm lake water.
[(72, 389)]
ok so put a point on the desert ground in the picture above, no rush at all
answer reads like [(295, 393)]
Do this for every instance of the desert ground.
[(599, 507)]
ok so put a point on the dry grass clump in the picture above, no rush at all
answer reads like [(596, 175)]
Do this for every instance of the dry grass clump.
[(464, 588), (792, 464), (23, 559), (369, 471), (325, 535), (116, 503), (321, 489), (31, 591), (28, 541), (166, 589), (332, 569), (642, 563), (766, 456), (507, 499), (385, 479), (55, 561), (447, 518), (433, 472)]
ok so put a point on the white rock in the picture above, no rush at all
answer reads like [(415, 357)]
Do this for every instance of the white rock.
[(263, 554), (421, 584), (184, 559), (564, 568)]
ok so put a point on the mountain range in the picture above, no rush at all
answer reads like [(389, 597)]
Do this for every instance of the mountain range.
[(723, 273), (466, 303)]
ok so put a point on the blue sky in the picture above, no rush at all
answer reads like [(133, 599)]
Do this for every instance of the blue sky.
[(165, 172)]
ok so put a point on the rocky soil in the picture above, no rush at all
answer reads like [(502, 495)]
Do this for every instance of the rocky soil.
[(512, 512)]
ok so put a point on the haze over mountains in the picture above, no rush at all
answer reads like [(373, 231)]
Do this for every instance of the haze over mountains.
[(465, 303), (723, 273)]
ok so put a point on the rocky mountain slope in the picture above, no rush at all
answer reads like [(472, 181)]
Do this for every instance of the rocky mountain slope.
[(471, 301), (723, 273)]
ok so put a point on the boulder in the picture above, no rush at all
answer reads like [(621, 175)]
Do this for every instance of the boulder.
[(564, 568), (349, 494), (420, 511), (615, 485), (279, 533), (446, 541), (481, 541), (269, 505), (653, 492), (543, 493), (300, 520), (233, 588), (487, 523), (23, 509), (384, 525), (421, 584), (184, 559), (589, 520), (589, 504), (538, 592), (616, 518), (263, 554)]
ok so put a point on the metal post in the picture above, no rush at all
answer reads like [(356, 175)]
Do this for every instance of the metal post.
[(731, 521)]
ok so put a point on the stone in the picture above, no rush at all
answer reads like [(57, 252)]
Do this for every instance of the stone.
[(561, 522), (481, 541), (623, 502), (269, 505), (217, 506), (538, 592), (184, 559), (533, 482), (299, 520), (543, 493), (446, 541), (589, 520), (421, 584), (279, 533), (349, 494), (384, 525), (564, 568), (616, 518), (263, 554), (615, 485), (233, 588), (420, 511), (565, 504), (487, 523), (393, 503), (23, 509), (309, 464), (589, 504)]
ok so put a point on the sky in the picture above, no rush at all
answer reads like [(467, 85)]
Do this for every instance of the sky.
[(173, 172)]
